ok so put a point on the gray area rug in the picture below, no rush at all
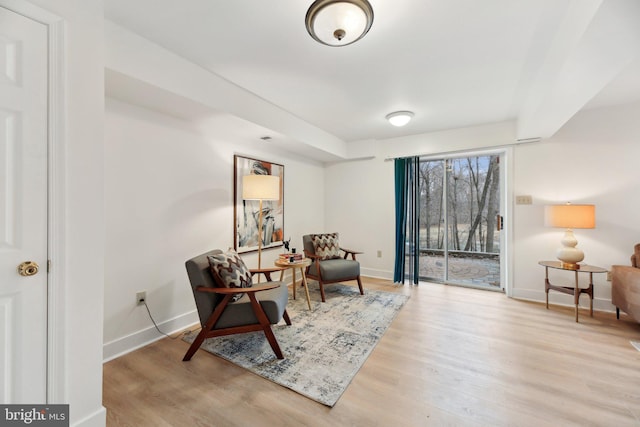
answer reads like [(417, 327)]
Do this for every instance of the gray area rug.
[(323, 348)]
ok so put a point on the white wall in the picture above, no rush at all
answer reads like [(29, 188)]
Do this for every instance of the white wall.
[(592, 159), (168, 197), (84, 224), (78, 224), (360, 207)]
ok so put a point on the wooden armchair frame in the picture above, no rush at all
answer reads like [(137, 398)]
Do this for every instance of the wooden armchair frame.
[(321, 281), (263, 324)]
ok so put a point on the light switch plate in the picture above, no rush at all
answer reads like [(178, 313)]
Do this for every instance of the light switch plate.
[(524, 200)]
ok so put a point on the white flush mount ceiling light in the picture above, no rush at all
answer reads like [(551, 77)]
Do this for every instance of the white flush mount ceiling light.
[(339, 22), (399, 118)]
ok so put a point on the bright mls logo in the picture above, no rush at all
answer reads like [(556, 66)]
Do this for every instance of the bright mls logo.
[(34, 415)]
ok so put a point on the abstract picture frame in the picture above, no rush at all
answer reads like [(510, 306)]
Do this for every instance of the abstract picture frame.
[(246, 212)]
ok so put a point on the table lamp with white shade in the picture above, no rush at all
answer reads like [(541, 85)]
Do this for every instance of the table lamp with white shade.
[(260, 187), (570, 216)]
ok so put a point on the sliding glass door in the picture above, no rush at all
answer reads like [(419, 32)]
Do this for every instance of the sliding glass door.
[(460, 221)]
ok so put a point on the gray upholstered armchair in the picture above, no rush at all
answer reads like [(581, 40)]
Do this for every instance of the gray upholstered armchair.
[(226, 310), (328, 265)]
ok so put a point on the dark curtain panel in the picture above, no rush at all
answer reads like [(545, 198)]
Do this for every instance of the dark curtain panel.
[(407, 220)]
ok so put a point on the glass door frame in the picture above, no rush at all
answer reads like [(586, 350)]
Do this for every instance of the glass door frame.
[(505, 176)]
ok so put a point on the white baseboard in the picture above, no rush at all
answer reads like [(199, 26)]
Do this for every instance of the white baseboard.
[(537, 295), (556, 298), (377, 274), (129, 343), (97, 419)]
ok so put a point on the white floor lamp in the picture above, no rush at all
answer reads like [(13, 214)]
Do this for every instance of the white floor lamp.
[(260, 187)]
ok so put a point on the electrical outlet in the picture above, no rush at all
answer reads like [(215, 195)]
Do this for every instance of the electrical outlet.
[(379, 254), (524, 200), (141, 297)]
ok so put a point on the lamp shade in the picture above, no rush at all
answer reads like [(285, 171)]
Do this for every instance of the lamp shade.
[(260, 187), (339, 22), (570, 216)]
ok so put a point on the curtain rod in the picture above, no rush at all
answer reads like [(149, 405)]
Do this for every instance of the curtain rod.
[(453, 153)]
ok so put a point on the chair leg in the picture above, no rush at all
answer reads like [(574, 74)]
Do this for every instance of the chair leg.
[(617, 313), (321, 290), (195, 345), (266, 326), (211, 321), (273, 342), (286, 318), (360, 285)]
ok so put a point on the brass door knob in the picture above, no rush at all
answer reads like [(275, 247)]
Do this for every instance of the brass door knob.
[(28, 268)]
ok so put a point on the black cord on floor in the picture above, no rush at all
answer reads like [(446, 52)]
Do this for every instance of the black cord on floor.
[(157, 328)]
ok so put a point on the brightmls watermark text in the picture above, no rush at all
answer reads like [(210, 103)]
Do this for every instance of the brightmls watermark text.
[(34, 415)]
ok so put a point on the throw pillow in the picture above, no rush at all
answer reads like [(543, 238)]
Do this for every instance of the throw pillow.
[(326, 246), (230, 271)]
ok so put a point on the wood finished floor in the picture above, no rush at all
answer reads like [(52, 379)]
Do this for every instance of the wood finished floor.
[(453, 357)]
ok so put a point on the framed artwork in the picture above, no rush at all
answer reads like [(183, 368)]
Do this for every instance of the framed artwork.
[(246, 212)]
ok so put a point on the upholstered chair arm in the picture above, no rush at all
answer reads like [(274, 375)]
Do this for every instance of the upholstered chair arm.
[(348, 252), (227, 291), (635, 258), (625, 289)]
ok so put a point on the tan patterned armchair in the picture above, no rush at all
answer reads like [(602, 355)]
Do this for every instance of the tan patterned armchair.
[(625, 286)]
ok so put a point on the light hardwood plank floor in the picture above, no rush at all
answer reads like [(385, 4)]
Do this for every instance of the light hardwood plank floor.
[(452, 357)]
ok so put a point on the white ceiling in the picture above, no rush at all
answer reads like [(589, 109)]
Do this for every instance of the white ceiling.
[(455, 63)]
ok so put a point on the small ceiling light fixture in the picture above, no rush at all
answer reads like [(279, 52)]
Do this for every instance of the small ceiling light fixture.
[(399, 118), (339, 22)]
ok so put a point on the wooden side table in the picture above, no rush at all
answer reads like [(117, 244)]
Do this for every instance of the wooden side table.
[(576, 290), (302, 265)]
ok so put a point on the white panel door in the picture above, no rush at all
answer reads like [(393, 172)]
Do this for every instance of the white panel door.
[(23, 208)]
